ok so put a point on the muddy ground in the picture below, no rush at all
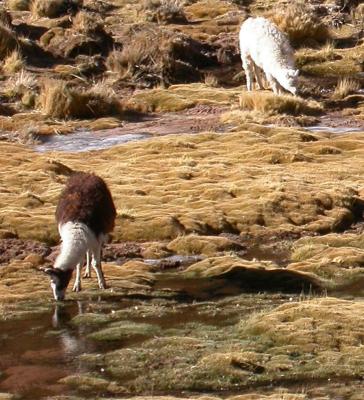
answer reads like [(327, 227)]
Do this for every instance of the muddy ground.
[(235, 269)]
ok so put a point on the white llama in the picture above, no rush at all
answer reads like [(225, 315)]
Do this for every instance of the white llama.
[(85, 215), (264, 47)]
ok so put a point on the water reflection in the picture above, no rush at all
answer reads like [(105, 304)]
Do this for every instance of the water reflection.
[(334, 129), (72, 340), (86, 141)]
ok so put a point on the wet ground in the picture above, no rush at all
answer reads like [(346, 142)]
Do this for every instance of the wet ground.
[(175, 124), (82, 141), (41, 349)]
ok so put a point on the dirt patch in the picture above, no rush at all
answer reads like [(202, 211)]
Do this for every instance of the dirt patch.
[(17, 249)]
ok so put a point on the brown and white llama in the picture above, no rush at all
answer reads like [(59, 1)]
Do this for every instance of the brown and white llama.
[(85, 215)]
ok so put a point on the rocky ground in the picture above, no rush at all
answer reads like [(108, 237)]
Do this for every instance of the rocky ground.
[(236, 265)]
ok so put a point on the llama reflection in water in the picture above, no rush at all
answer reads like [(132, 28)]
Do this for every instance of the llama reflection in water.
[(72, 340)]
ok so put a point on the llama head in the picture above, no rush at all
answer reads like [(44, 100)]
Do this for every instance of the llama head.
[(59, 281), (289, 81)]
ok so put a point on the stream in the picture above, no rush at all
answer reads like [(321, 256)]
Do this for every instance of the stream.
[(87, 141)]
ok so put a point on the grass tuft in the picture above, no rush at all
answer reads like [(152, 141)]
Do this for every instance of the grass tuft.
[(22, 84), (300, 23), (345, 87), (269, 103), (60, 100), (13, 63)]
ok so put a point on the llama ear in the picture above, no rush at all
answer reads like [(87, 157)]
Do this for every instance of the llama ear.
[(48, 270), (296, 72)]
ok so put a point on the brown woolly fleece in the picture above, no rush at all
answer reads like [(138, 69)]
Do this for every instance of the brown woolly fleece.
[(87, 199)]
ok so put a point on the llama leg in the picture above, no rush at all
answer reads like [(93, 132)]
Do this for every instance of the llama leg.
[(248, 68), (96, 265), (77, 284), (87, 273), (273, 83), (258, 77), (280, 88)]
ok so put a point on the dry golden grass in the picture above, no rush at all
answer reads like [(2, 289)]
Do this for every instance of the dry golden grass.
[(206, 245), (276, 184), (18, 5), (211, 80), (180, 97), (347, 66), (59, 100), (269, 103), (19, 83), (13, 63), (301, 25), (326, 53), (209, 9), (345, 86), (241, 117)]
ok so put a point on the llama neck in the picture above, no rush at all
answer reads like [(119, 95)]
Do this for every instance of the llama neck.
[(75, 242)]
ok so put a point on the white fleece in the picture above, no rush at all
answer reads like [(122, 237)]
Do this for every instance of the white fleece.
[(77, 238), (262, 44)]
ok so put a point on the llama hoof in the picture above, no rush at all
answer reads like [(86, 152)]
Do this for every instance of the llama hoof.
[(76, 288), (86, 275)]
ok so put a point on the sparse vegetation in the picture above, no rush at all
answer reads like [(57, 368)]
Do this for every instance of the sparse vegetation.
[(164, 11), (13, 63), (345, 87), (269, 103), (60, 100), (22, 84), (300, 23), (153, 56)]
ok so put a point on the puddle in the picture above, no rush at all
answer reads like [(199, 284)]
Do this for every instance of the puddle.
[(87, 141), (334, 129), (33, 357), (171, 124)]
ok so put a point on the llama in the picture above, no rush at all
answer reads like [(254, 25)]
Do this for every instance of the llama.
[(264, 47), (85, 215)]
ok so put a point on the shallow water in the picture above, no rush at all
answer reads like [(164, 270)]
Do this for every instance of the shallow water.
[(40, 349), (171, 124), (334, 129), (86, 141)]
